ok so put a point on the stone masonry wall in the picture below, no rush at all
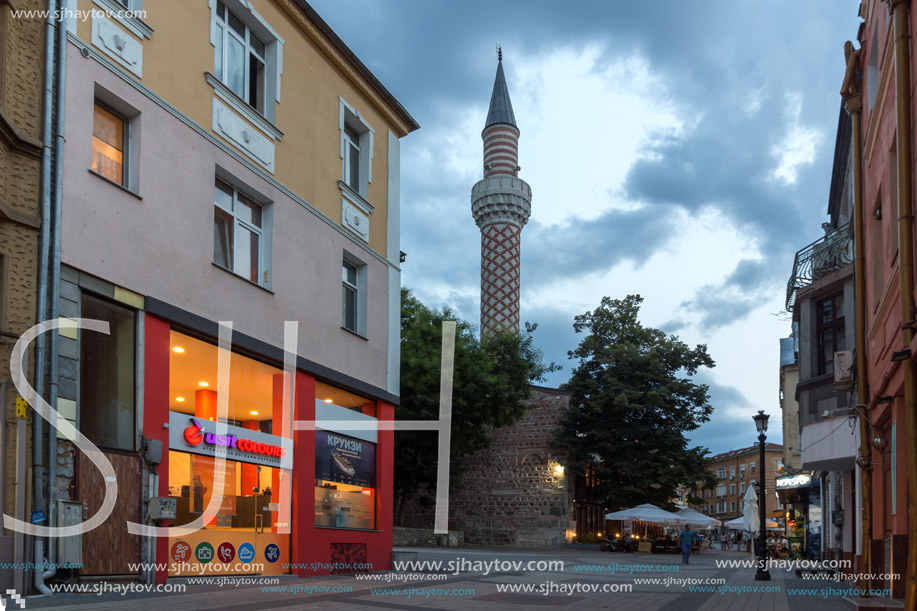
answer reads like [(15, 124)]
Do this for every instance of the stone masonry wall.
[(513, 492), (21, 78)]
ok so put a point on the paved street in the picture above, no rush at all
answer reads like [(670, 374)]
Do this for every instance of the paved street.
[(584, 568)]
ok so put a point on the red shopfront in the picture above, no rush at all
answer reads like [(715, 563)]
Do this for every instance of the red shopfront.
[(341, 480)]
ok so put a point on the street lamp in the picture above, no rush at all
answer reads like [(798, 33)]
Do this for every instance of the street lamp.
[(762, 574)]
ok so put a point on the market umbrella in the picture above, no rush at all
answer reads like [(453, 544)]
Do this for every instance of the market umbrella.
[(751, 519), (696, 518), (647, 513), (739, 524)]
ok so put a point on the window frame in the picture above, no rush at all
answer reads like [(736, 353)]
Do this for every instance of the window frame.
[(350, 119), (358, 289), (132, 117), (242, 196), (136, 370), (829, 334), (125, 143), (272, 62)]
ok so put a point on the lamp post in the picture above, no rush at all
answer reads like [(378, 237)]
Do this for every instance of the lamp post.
[(762, 574)]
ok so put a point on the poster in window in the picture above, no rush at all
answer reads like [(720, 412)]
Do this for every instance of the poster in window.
[(202, 475), (343, 459)]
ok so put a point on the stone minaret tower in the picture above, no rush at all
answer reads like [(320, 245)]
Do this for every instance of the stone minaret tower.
[(501, 205)]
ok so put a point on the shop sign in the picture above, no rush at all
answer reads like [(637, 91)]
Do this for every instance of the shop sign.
[(801, 480), (343, 459), (198, 436)]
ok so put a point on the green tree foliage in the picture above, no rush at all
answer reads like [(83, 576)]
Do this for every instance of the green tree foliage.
[(633, 400), (491, 381)]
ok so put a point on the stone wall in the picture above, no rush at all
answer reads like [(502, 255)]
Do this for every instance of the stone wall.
[(514, 492), (424, 537), (21, 79)]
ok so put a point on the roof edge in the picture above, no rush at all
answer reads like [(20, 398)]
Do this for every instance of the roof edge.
[(361, 68)]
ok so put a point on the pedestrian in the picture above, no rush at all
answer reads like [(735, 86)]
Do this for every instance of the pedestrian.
[(726, 540), (687, 539)]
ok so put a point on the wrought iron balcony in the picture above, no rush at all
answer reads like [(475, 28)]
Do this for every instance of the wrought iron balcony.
[(818, 259)]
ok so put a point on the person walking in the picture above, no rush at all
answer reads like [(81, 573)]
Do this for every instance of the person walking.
[(687, 539), (726, 540)]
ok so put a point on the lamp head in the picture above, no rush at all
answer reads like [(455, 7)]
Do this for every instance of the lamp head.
[(761, 421)]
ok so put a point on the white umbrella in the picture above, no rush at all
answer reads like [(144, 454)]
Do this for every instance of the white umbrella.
[(695, 518), (751, 519), (739, 524), (646, 513)]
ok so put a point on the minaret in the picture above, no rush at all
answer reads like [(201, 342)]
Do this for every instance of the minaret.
[(501, 205)]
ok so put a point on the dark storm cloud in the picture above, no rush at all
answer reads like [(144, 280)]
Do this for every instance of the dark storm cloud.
[(578, 247)]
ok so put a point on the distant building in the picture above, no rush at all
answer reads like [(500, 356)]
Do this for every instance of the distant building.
[(789, 406), (735, 471)]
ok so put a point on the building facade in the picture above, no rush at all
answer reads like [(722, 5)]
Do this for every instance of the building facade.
[(229, 165), (820, 294), (735, 471), (877, 90), (22, 78)]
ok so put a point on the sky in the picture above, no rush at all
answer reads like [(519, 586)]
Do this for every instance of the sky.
[(681, 151)]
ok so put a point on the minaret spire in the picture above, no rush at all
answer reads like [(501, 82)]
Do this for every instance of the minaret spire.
[(501, 206)]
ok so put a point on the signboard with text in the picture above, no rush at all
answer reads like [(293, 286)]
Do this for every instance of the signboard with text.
[(188, 433), (343, 459)]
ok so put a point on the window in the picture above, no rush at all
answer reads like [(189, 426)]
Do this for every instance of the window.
[(721, 490), (732, 488), (352, 158), (721, 473), (110, 133), (353, 295), (350, 296), (741, 471), (732, 506), (356, 150), (240, 58), (829, 331), (742, 488), (751, 467), (248, 57), (106, 414), (239, 227), (732, 472)]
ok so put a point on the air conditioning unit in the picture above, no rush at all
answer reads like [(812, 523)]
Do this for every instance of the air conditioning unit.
[(843, 367)]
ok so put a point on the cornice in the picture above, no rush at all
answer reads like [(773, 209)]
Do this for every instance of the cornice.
[(358, 75), (15, 139), (17, 216)]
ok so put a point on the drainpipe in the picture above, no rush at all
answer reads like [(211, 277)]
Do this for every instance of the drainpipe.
[(853, 102), (906, 277), (38, 496), (54, 313)]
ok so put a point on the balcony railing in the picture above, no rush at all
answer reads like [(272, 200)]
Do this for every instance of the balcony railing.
[(818, 259)]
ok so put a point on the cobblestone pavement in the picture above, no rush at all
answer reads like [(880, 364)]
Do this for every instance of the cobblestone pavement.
[(588, 579)]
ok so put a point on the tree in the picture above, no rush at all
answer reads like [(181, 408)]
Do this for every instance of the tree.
[(632, 402), (491, 382)]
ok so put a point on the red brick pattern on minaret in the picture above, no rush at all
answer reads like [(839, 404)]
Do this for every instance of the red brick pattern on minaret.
[(501, 150), (500, 276)]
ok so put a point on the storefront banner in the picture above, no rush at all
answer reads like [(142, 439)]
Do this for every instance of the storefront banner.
[(188, 433), (345, 460)]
